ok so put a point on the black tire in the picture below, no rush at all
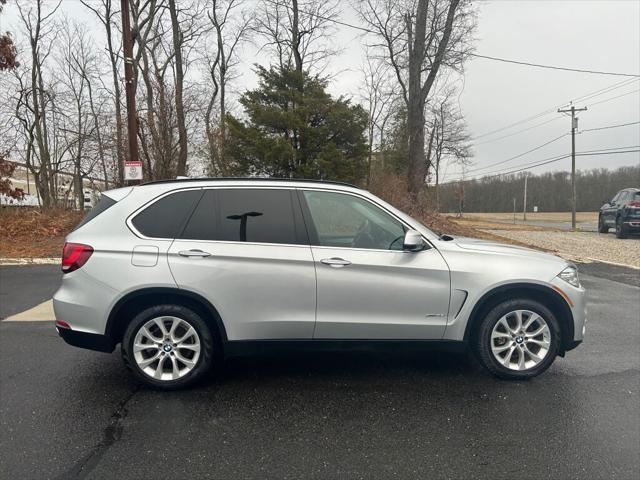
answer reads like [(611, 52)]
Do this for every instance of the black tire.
[(205, 359), (482, 340), (620, 230), (602, 228)]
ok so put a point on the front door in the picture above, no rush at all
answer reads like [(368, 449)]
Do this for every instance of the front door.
[(611, 209), (247, 252), (368, 287)]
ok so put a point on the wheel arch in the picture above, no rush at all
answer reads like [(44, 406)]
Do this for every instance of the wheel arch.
[(126, 308), (541, 293)]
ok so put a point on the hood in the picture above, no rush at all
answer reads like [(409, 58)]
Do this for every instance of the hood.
[(490, 246)]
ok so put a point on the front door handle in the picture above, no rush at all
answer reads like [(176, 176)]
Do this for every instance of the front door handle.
[(193, 253), (336, 262)]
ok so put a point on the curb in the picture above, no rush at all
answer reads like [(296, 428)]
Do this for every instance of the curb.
[(30, 261)]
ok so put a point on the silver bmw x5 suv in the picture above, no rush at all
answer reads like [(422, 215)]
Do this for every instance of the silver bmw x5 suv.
[(182, 273)]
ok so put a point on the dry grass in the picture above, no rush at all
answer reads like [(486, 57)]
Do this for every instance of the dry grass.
[(30, 232)]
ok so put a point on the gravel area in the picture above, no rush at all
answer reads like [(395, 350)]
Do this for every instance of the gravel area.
[(581, 246)]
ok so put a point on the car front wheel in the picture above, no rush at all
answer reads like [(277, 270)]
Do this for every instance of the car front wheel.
[(168, 347), (518, 339)]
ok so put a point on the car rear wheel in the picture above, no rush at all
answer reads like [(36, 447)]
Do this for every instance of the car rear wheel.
[(620, 230), (602, 227), (518, 339), (168, 347)]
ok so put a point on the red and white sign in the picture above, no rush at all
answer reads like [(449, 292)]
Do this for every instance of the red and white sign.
[(133, 170)]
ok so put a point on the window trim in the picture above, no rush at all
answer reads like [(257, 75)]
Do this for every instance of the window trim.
[(305, 217), (309, 220)]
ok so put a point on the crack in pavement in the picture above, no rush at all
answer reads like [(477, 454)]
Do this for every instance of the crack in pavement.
[(111, 434)]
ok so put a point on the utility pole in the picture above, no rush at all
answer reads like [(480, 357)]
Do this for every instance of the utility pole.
[(514, 210), (574, 127), (133, 167), (524, 209)]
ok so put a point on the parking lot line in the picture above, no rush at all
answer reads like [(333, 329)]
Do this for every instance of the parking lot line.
[(39, 313)]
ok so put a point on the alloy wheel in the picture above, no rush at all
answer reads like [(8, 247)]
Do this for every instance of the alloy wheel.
[(166, 348), (520, 340)]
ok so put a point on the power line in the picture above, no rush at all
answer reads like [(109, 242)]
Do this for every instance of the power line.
[(613, 98), (529, 167), (517, 132), (520, 155), (605, 153), (486, 57), (609, 126), (585, 97), (553, 67), (537, 163)]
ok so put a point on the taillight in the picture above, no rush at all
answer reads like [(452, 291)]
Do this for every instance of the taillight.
[(634, 204), (74, 256)]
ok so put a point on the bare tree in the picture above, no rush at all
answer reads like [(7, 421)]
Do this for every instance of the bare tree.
[(72, 65), (105, 14), (34, 99), (419, 38), (230, 29), (178, 41), (298, 32), (449, 140), (378, 99)]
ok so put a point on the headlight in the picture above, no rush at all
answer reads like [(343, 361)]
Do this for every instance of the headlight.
[(570, 275)]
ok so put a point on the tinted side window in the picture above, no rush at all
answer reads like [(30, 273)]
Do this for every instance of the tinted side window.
[(202, 224), (342, 220), (104, 203), (166, 217), (256, 215)]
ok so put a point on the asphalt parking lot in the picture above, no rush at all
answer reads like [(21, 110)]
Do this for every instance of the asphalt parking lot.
[(71, 413)]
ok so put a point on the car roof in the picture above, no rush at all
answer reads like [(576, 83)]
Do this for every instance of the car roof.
[(245, 180)]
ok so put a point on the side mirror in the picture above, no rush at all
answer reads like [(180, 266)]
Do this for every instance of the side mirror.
[(413, 241)]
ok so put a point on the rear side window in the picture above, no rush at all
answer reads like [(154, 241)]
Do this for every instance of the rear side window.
[(246, 215), (166, 217), (202, 224), (104, 203)]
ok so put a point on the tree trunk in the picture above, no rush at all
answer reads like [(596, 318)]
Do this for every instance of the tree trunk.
[(295, 39), (118, 106), (415, 114), (419, 91), (182, 129)]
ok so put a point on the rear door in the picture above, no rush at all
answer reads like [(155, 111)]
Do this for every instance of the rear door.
[(368, 287), (246, 250)]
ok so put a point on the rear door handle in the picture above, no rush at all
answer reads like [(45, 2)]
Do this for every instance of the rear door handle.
[(336, 262), (193, 253)]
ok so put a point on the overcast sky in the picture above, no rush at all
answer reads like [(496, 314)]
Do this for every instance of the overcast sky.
[(586, 34)]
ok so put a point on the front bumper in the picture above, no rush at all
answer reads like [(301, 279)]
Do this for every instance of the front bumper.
[(91, 341), (578, 306)]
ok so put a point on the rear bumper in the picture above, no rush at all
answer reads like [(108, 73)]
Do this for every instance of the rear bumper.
[(632, 225), (90, 341)]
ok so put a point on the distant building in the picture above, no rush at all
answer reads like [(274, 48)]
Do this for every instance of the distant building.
[(22, 179)]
